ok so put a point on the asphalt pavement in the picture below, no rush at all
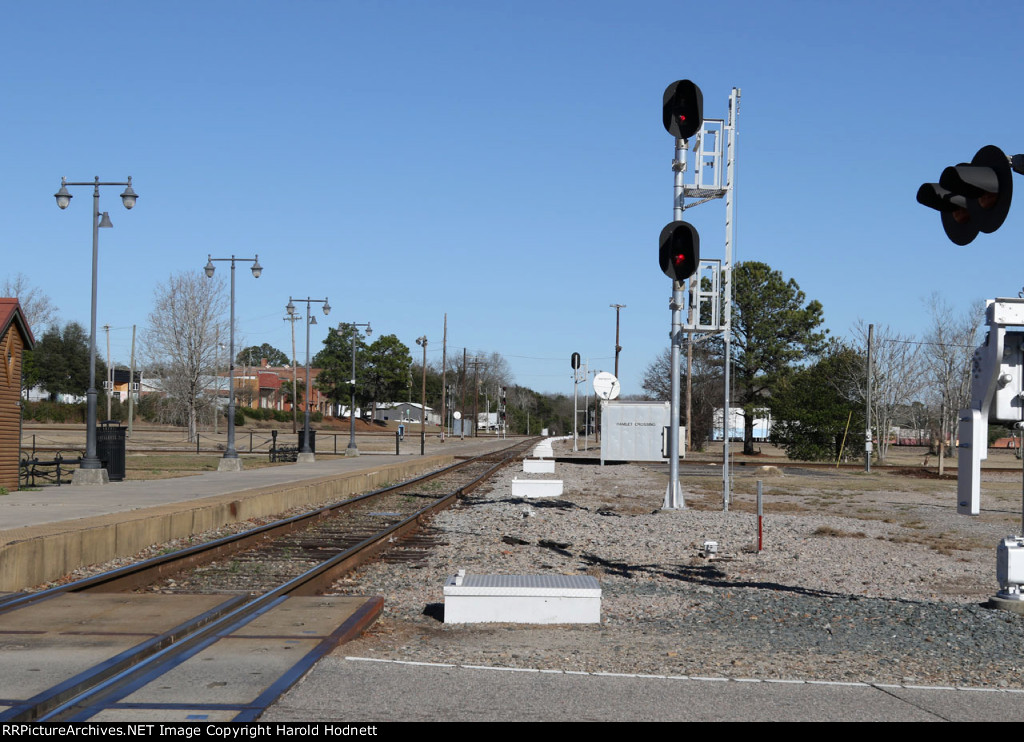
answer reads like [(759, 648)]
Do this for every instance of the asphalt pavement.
[(349, 689)]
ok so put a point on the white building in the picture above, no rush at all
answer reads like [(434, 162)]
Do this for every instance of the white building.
[(762, 424)]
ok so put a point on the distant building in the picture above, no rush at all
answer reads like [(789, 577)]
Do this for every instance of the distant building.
[(263, 387), (762, 424), (405, 412), (123, 386)]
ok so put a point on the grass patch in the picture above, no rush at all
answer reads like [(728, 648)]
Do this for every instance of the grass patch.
[(170, 465), (829, 532), (943, 543)]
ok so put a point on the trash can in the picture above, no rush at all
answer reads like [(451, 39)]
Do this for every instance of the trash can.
[(302, 440), (110, 448)]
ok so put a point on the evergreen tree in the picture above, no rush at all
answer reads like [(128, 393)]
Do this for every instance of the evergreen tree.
[(60, 361), (386, 371), (817, 411), (773, 330), (335, 363), (254, 355)]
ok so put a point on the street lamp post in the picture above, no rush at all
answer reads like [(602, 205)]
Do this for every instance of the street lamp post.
[(306, 455), (423, 397), (216, 383), (352, 450), (91, 470), (231, 461)]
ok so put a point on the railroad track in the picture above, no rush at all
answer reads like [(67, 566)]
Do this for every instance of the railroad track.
[(232, 584)]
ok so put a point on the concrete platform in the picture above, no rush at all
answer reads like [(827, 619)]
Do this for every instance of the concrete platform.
[(48, 533)]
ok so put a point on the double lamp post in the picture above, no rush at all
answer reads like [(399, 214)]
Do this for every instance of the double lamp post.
[(306, 455), (92, 470), (231, 461)]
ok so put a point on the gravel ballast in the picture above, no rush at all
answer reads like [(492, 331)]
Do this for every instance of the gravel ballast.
[(862, 578)]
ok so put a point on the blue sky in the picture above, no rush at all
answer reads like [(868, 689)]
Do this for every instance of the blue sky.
[(501, 163)]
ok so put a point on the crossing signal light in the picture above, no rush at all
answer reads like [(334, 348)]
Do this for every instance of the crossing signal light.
[(972, 197), (682, 109), (679, 250)]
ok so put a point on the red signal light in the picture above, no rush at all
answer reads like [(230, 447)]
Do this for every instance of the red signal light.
[(682, 109), (679, 250)]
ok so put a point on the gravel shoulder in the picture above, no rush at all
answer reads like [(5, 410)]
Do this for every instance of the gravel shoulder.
[(862, 577)]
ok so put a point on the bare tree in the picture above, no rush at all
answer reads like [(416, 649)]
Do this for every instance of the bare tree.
[(494, 372), (947, 357), (896, 381), (186, 322), (707, 389), (39, 310)]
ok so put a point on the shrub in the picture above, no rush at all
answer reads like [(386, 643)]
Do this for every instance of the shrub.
[(45, 411)]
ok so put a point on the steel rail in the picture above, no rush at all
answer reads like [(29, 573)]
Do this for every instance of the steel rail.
[(135, 576), (82, 696)]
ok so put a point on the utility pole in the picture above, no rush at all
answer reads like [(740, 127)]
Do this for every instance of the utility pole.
[(444, 377), (867, 414), (476, 396), (462, 398), (618, 348), (586, 405), (942, 435)]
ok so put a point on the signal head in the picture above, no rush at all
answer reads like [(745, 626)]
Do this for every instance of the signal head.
[(682, 109), (972, 197), (679, 250)]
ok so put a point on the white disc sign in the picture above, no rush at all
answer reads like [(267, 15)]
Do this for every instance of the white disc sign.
[(606, 386), (457, 415)]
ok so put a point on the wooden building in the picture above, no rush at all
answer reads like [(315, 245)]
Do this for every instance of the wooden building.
[(15, 337)]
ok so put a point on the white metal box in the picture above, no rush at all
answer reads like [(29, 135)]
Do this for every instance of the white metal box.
[(535, 599), (1010, 562), (536, 487), (1009, 383), (635, 431)]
